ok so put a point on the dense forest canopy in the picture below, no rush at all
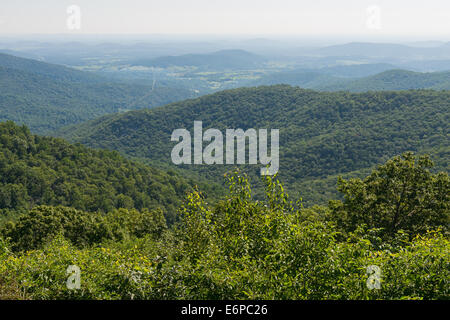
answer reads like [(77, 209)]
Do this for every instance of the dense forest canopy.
[(239, 248), (349, 78), (322, 135), (37, 170), (54, 71), (46, 97), (393, 80), (360, 208)]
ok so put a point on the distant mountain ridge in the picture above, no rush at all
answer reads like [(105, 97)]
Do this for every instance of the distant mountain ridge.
[(393, 80), (328, 79), (380, 50), (218, 59), (56, 72), (45, 96)]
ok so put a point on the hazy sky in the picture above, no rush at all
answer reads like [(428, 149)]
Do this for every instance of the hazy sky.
[(296, 17)]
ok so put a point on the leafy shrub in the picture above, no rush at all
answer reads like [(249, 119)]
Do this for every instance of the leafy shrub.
[(41, 224), (401, 194), (238, 248)]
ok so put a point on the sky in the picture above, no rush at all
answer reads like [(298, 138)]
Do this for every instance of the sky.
[(426, 19)]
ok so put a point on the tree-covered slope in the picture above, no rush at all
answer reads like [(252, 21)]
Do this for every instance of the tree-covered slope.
[(357, 70), (352, 78), (46, 97), (307, 79), (393, 80), (389, 233), (223, 59), (322, 134), (37, 170), (56, 72)]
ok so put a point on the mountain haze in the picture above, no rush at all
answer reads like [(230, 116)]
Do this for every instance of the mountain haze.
[(393, 80), (224, 59)]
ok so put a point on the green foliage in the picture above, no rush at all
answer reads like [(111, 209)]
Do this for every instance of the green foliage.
[(238, 248), (42, 224), (46, 97), (421, 270), (38, 170), (105, 273), (268, 250), (322, 135), (402, 194), (126, 224), (63, 204)]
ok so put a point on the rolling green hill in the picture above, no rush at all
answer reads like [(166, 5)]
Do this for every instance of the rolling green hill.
[(322, 134), (357, 70), (307, 79), (37, 170), (348, 78), (46, 97), (223, 59), (56, 72), (385, 50), (393, 80)]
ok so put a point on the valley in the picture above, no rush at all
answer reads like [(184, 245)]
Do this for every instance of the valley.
[(158, 167)]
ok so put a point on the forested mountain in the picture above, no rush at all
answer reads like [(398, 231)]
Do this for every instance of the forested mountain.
[(356, 70), (394, 220), (427, 65), (351, 210), (322, 134), (37, 170), (367, 49), (393, 80), (46, 97), (307, 79), (312, 78), (349, 78), (223, 59), (54, 71), (386, 50)]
